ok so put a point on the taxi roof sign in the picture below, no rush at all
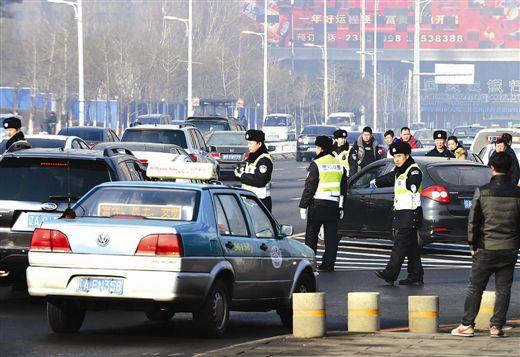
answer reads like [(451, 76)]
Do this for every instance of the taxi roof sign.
[(177, 169)]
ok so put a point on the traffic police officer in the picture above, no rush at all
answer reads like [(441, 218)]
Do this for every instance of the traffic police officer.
[(256, 176), (322, 200), (440, 149), (407, 181), (341, 148), (12, 125)]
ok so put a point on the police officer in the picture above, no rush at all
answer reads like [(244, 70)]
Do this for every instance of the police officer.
[(341, 148), (256, 176), (440, 149), (407, 180), (13, 127), (322, 200)]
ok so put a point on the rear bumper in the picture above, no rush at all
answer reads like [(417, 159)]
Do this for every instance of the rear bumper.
[(444, 229), (186, 290)]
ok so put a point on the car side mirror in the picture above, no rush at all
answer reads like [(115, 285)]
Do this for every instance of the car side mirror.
[(212, 148), (271, 148), (286, 230)]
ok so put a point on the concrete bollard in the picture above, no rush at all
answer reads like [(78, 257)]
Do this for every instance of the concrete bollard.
[(423, 314), (363, 312), (309, 315), (487, 307)]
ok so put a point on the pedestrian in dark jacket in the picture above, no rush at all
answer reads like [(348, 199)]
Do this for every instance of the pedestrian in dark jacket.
[(515, 167), (502, 146), (440, 149), (13, 128), (364, 151), (494, 239)]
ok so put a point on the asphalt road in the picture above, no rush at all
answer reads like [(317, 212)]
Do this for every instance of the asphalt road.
[(24, 329)]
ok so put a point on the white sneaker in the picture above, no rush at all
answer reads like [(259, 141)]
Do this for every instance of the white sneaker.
[(464, 331)]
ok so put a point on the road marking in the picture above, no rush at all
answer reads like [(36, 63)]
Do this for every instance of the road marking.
[(294, 198), (282, 169)]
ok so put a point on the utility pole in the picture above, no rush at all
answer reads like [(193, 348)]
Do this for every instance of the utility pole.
[(376, 8), (325, 65), (363, 37), (265, 61)]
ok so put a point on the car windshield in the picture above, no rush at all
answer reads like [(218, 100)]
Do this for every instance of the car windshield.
[(221, 139), (319, 130), (466, 132), (275, 121), (423, 135), (54, 177), (146, 202), (176, 137), (46, 143), (339, 120), (461, 175), (205, 126), (85, 134)]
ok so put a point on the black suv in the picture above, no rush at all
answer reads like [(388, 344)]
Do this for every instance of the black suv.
[(205, 124), (36, 187), (92, 135)]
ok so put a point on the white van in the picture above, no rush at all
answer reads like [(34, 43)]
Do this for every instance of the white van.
[(490, 135), (343, 120), (279, 127)]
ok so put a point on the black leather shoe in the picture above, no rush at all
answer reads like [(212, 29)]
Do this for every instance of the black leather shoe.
[(381, 275), (412, 282)]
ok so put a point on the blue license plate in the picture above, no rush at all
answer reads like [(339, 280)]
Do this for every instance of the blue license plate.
[(35, 220), (101, 285), (467, 204)]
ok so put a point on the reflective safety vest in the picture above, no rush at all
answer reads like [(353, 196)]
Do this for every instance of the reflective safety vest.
[(330, 175), (343, 158), (404, 198), (260, 192)]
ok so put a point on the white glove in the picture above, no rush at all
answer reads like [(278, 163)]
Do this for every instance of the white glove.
[(238, 173), (341, 214), (303, 213)]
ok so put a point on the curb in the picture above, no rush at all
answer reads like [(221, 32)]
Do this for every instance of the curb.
[(262, 341)]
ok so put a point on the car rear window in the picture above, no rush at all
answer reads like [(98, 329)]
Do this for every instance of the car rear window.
[(461, 175), (205, 126), (85, 134), (175, 137), (35, 179), (46, 143), (228, 139), (145, 202), (319, 130)]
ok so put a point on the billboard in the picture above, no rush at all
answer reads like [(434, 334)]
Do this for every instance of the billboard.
[(445, 24)]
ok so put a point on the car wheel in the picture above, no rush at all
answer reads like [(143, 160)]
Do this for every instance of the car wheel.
[(65, 318), (158, 314), (212, 319), (298, 157), (305, 284)]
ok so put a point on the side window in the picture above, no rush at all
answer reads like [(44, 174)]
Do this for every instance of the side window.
[(201, 139), (114, 136), (235, 223), (193, 139), (124, 172), (364, 180), (83, 145), (262, 225), (134, 171), (75, 144)]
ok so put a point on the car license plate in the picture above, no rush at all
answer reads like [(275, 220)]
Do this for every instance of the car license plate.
[(35, 220), (101, 285), (467, 204), (232, 157)]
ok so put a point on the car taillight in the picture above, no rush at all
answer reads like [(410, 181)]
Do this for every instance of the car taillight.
[(49, 240), (160, 244), (437, 193), (193, 157), (143, 161), (215, 155), (246, 155), (300, 139)]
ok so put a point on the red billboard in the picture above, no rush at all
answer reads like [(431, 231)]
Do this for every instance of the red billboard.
[(445, 24)]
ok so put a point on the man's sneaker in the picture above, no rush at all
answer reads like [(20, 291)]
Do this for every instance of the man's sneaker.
[(464, 331), (496, 331), (381, 275), (413, 282)]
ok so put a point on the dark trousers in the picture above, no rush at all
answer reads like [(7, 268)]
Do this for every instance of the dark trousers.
[(330, 229), (485, 263), (405, 245), (267, 203)]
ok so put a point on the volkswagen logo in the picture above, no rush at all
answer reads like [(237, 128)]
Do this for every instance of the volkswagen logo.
[(49, 206), (103, 240)]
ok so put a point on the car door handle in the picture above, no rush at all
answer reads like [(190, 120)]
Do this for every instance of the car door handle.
[(230, 245), (264, 247)]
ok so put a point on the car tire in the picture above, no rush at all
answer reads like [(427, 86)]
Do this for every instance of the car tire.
[(298, 157), (305, 284), (66, 318), (212, 319), (158, 314)]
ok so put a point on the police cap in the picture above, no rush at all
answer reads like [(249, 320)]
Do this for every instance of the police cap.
[(12, 122), (440, 134), (340, 133), (400, 147), (255, 135), (323, 142)]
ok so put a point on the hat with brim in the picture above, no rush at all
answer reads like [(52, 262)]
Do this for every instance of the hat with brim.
[(255, 135), (440, 134), (400, 147), (340, 133)]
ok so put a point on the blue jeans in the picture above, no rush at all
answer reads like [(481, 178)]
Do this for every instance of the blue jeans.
[(485, 263)]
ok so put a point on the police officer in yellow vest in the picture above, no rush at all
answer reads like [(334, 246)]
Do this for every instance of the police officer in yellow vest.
[(256, 176), (407, 181), (322, 200), (341, 148)]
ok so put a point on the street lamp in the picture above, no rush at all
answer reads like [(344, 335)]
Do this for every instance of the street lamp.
[(189, 33), (263, 37), (325, 78), (78, 16), (373, 56)]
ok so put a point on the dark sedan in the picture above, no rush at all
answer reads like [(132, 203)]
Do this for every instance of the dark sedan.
[(229, 148), (305, 148), (447, 190), (92, 135)]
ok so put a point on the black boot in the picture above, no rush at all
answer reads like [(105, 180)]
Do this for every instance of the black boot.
[(381, 275), (413, 282)]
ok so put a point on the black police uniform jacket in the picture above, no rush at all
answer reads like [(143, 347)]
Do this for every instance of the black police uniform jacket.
[(320, 210), (263, 171), (16, 137), (404, 218), (339, 149), (435, 153)]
